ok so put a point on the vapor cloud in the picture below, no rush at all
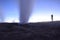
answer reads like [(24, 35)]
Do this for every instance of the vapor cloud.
[(26, 7)]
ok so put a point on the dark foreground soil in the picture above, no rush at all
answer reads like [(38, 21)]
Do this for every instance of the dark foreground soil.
[(31, 31)]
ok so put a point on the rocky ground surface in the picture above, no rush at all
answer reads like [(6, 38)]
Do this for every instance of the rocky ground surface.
[(31, 31)]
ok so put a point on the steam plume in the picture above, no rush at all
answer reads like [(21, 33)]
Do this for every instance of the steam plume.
[(1, 15), (26, 10)]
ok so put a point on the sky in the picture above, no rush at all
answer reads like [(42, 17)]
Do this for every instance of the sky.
[(42, 10)]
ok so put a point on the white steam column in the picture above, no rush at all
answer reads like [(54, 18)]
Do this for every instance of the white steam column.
[(26, 7), (1, 16)]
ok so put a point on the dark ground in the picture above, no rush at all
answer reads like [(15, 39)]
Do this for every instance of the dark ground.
[(31, 31)]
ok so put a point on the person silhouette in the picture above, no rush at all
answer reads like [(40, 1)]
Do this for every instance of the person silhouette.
[(52, 17)]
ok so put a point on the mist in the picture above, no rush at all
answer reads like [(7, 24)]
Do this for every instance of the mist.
[(1, 14), (26, 8)]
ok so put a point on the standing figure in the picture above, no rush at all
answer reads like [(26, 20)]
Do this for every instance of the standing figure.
[(52, 17)]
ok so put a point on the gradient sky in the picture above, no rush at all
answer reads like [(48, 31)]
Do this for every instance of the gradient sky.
[(41, 12)]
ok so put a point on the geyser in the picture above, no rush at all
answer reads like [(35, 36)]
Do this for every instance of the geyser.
[(26, 7), (1, 15)]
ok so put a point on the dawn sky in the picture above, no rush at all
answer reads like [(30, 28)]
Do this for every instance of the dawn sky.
[(41, 12)]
